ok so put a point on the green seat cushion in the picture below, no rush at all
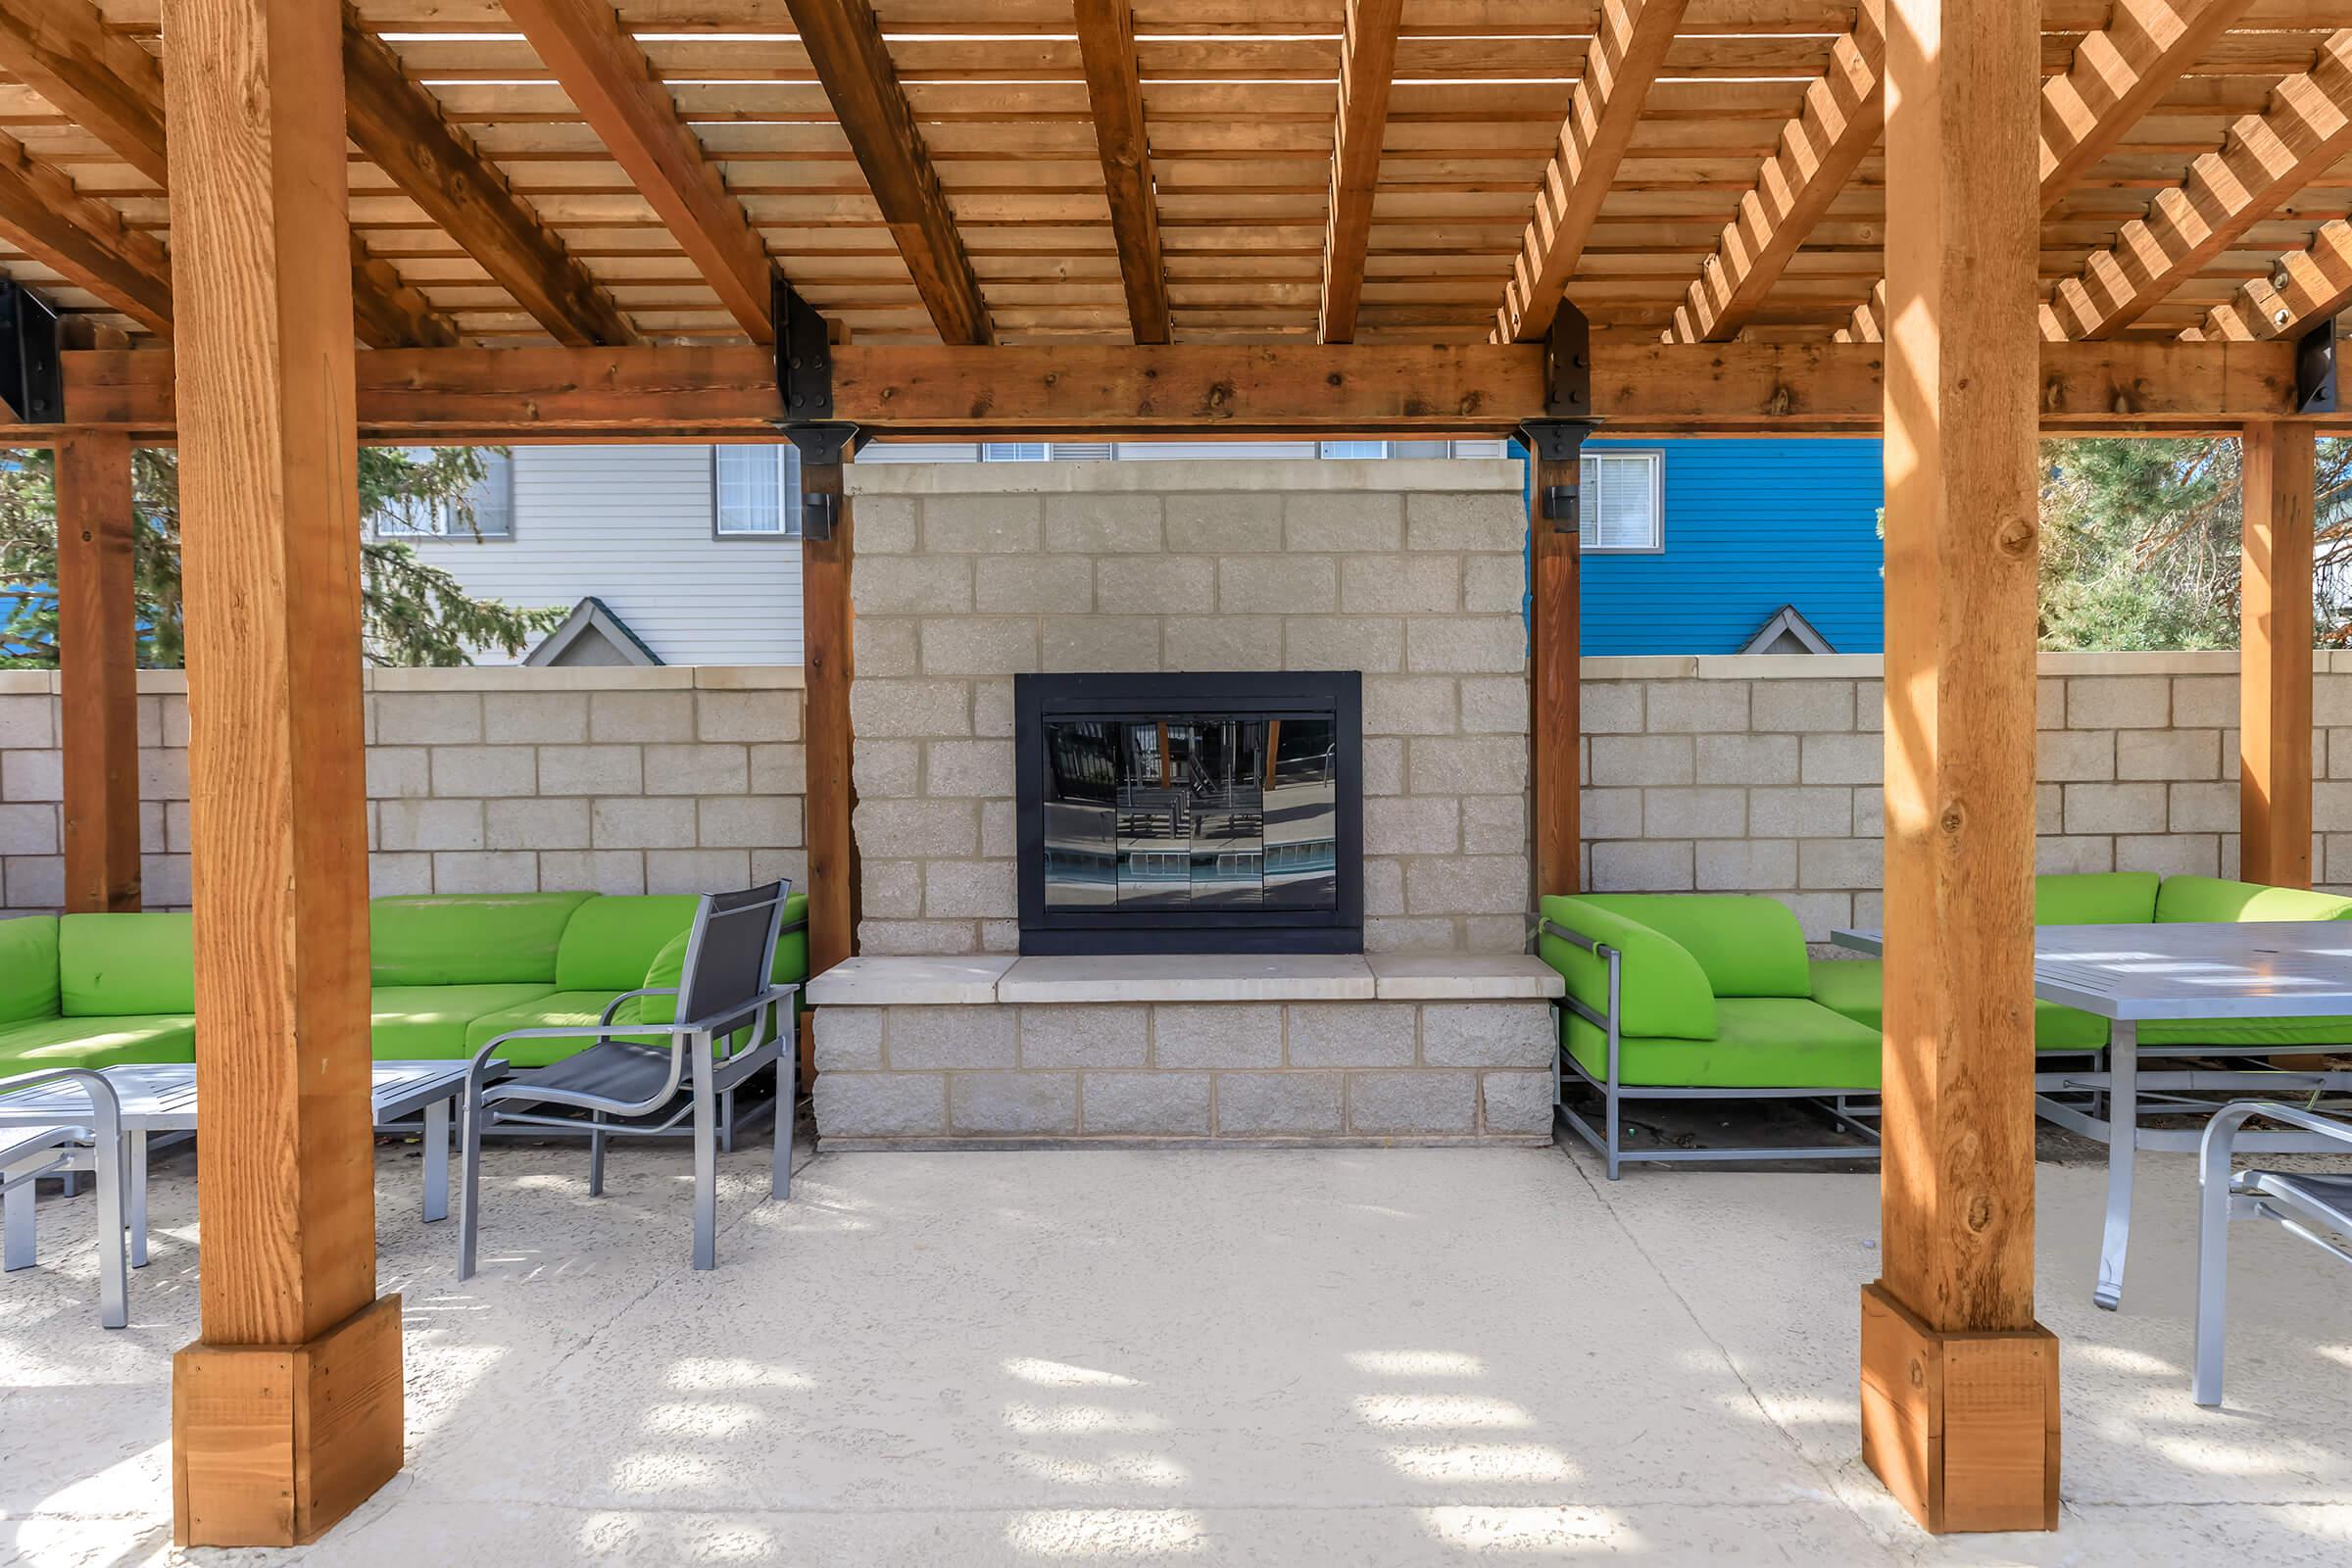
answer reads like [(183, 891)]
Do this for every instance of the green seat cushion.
[(96, 1042), (609, 941), (1762, 1043), (2094, 897), (561, 1010), (2323, 1033), (792, 948), (468, 938), (115, 965), (2207, 897), (1852, 986), (28, 967), (428, 1023)]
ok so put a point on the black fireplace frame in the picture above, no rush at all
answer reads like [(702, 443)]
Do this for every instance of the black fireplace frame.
[(1336, 694)]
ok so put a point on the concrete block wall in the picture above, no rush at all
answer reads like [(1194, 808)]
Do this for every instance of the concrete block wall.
[(1764, 774), (1409, 571), (623, 780)]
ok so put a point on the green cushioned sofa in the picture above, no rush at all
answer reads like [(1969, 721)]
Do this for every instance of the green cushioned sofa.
[(448, 972)]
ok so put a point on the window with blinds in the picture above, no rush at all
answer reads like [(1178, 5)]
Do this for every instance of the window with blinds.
[(1622, 496), (492, 499), (755, 491)]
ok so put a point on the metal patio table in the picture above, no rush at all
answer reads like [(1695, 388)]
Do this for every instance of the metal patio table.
[(161, 1098), (2134, 974)]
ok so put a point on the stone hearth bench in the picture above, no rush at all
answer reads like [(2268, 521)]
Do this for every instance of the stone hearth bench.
[(929, 1052)]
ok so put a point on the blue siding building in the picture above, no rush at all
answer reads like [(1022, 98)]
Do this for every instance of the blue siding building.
[(1691, 546)]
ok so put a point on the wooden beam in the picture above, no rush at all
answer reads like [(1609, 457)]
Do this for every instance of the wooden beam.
[(2118, 75), (1868, 325), (2304, 287), (400, 126), (1820, 149), (845, 44), (2274, 678), (1114, 89), (2269, 157), (97, 78), (604, 74), (1623, 61), (1640, 388), (288, 1411), (97, 659), (827, 635), (1555, 645), (83, 237), (1958, 1382), (388, 314), (1367, 65)]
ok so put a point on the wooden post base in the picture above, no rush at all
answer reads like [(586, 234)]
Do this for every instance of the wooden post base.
[(273, 1445), (1962, 1428)]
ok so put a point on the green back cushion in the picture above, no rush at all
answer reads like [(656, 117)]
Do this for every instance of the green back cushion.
[(28, 967), (468, 938), (1663, 989), (2206, 897), (1746, 946), (664, 974), (2095, 898), (611, 940), (792, 948), (119, 964)]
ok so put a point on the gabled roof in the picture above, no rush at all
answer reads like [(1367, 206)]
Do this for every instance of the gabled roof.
[(592, 635), (1787, 632)]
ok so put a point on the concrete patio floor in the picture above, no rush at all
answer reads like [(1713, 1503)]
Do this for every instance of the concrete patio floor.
[(1348, 1357)]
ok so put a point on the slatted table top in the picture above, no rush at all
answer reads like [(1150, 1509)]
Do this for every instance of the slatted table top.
[(2189, 969), (161, 1097)]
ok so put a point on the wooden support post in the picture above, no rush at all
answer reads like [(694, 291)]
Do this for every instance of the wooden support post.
[(97, 656), (1959, 1404), (826, 625), (1555, 640), (2273, 661), (286, 1413)]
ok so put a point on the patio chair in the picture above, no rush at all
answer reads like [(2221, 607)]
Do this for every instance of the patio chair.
[(29, 1153), (2307, 1204), (723, 1025)]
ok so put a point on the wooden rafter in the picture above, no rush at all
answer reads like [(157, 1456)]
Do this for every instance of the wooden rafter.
[(2269, 156), (1820, 148), (401, 127), (1367, 64), (2304, 286), (1114, 89), (115, 90), (605, 72), (1623, 61), (844, 46), (2116, 76), (1868, 325), (83, 238)]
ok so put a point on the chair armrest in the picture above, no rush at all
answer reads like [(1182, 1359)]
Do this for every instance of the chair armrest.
[(106, 1106), (613, 1006), (2221, 1133)]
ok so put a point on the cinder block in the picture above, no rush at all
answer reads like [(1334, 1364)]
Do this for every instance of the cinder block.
[(747, 821), (1750, 760), (918, 937), (485, 871), (1000, 830), (2119, 701), (887, 708), (1403, 1104), (1442, 520), (1493, 585), (1086, 1035), (2074, 756), (1258, 585), (1265, 1105), (912, 585), (2056, 853), (1223, 523), (1423, 584), (1342, 521), (749, 715), (992, 709), (1494, 824), (1384, 765), (2167, 754), (1611, 708), (697, 870), (1373, 644), (1383, 886), (2170, 854), (980, 644), (642, 823), (655, 716), (881, 1104), (427, 719), (1422, 934), (1696, 707), (886, 769), (1080, 643), (1640, 759), (1476, 765), (388, 876), (1842, 759), (536, 824), (1641, 865), (1350, 1034), (1487, 1033), (591, 769), (977, 524), (972, 768), (1747, 865), (1845, 863), (973, 889), (25, 724), (1694, 813), (887, 647), (1495, 704), (484, 771), (1465, 645), (1155, 585), (697, 769), (2205, 702), (1217, 1034), (1221, 642), (1145, 1104), (1612, 813), (1467, 883), (618, 873), (32, 776), (1102, 524), (398, 770), (1412, 824), (163, 775), (892, 889), (2115, 808), (424, 824), (1411, 705), (885, 526), (1802, 706), (1515, 1105), (916, 1038), (535, 718), (1014, 1104), (917, 827)]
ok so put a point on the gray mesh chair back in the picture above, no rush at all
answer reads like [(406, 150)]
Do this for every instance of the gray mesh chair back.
[(729, 957)]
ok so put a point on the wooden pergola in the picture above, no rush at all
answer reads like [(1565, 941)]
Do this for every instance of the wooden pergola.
[(1959, 221)]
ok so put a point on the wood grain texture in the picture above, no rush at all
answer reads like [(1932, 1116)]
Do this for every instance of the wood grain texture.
[(85, 239), (845, 48), (97, 644), (1962, 1428), (2301, 288), (1555, 644), (1962, 558), (1114, 93), (270, 542), (400, 126), (1820, 148), (2274, 662), (827, 634), (604, 74), (1630, 49), (1367, 64), (2118, 73)]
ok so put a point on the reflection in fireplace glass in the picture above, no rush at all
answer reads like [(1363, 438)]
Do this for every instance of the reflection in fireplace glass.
[(1190, 812)]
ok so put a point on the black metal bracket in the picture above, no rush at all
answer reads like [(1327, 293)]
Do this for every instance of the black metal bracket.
[(31, 379), (1568, 366), (1559, 443), (2315, 369), (826, 445), (804, 357)]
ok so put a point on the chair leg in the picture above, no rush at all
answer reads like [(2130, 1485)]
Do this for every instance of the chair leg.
[(780, 1180), (114, 1271), (1610, 1142), (17, 1251), (706, 1158), (2213, 1277), (470, 1181), (134, 1145), (726, 1122), (596, 1159)]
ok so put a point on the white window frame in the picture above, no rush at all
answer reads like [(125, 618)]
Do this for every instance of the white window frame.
[(787, 492), (441, 522), (1587, 496)]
